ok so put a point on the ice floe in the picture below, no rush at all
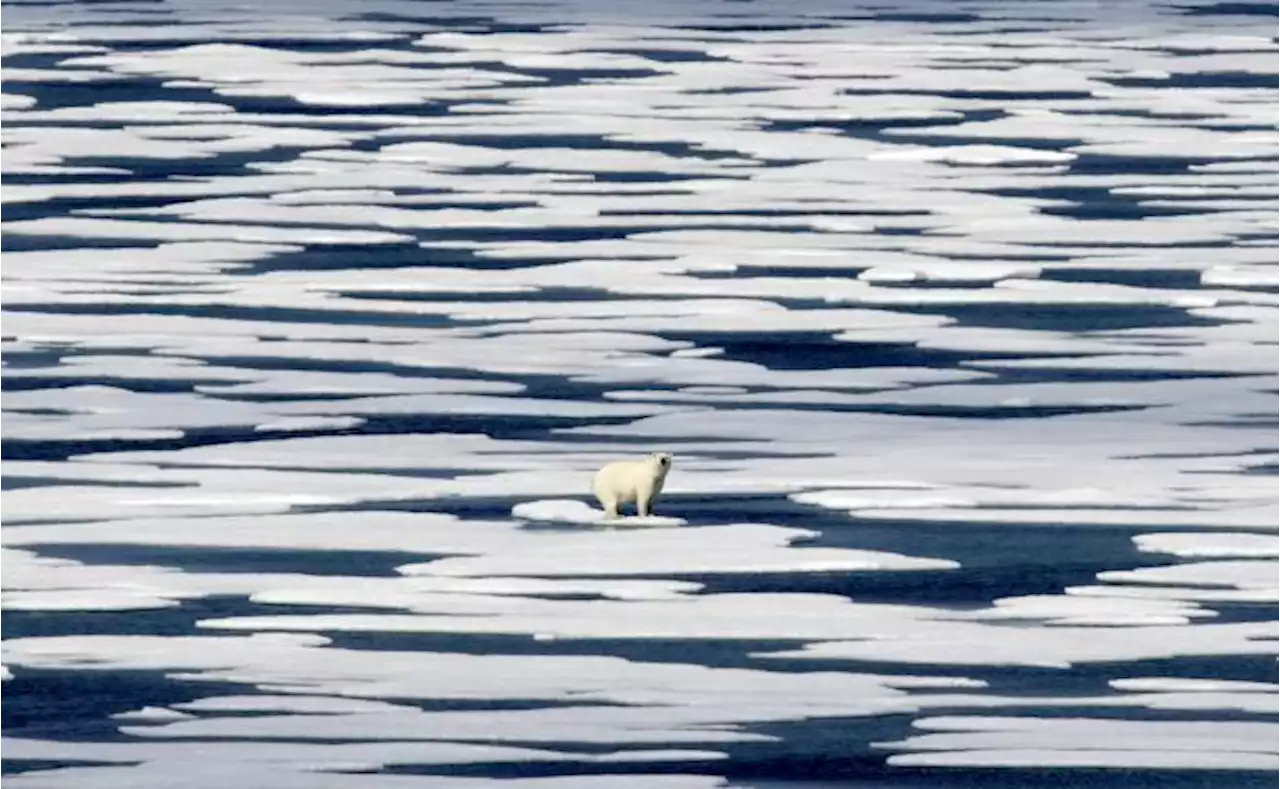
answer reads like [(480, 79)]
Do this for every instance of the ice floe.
[(738, 548), (1087, 742), (577, 512), (1209, 545)]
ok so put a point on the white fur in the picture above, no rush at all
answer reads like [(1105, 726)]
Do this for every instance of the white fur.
[(627, 481)]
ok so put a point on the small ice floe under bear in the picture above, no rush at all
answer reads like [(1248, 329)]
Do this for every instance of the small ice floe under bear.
[(628, 481)]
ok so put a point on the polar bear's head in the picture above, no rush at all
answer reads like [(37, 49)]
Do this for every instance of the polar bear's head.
[(662, 461)]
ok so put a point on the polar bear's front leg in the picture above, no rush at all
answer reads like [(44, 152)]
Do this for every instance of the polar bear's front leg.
[(645, 494)]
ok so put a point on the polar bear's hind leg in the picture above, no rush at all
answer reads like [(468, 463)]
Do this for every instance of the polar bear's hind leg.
[(609, 503)]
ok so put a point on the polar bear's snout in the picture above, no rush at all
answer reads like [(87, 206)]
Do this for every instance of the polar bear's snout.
[(627, 481)]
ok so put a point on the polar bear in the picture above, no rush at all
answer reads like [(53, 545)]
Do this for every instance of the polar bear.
[(626, 481)]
